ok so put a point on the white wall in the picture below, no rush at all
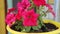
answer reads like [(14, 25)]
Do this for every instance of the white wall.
[(57, 2)]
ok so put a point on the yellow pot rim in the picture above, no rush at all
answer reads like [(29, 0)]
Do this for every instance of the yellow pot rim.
[(51, 21)]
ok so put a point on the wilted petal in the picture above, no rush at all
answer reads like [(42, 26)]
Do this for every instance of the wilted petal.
[(50, 9), (11, 10)]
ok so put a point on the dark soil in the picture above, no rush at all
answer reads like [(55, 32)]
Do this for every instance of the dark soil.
[(50, 27), (13, 27)]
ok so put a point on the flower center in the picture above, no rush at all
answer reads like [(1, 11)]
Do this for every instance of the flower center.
[(29, 16)]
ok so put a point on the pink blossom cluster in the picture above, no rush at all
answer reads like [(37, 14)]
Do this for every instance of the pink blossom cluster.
[(28, 17)]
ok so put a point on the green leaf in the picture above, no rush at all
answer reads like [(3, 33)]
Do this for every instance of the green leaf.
[(35, 28), (27, 29), (17, 27), (39, 26), (23, 30)]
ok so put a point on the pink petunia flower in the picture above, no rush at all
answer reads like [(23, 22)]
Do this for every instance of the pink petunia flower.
[(30, 18), (20, 11), (50, 9), (10, 18), (21, 7), (24, 4), (39, 2)]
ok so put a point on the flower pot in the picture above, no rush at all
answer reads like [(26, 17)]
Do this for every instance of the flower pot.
[(46, 21)]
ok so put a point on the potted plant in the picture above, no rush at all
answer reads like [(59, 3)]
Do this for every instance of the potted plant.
[(27, 18)]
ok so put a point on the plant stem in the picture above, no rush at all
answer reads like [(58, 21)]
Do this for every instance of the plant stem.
[(40, 19), (41, 22)]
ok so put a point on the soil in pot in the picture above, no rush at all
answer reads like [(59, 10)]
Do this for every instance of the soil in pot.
[(50, 27)]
